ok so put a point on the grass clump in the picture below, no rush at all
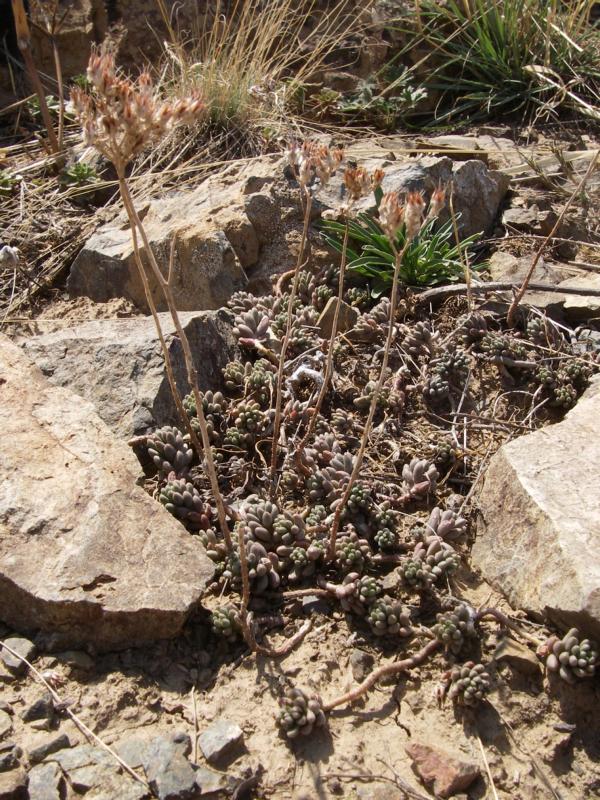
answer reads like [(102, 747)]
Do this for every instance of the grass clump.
[(495, 57)]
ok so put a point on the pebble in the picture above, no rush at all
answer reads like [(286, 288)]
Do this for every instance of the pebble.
[(361, 664), (76, 660), (167, 769), (10, 753), (46, 782), (220, 739), (312, 604), (46, 746), (13, 785), (5, 724), (21, 646), (40, 713)]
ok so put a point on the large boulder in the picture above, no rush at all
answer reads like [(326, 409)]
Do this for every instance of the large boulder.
[(85, 553), (118, 364), (538, 535)]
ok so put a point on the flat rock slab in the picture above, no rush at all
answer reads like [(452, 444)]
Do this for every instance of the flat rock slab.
[(443, 772), (220, 739), (538, 533), (85, 553), (118, 364)]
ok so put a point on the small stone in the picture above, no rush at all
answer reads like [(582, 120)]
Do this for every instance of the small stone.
[(347, 319), (21, 646), (133, 751), (443, 772), (169, 772), (392, 580), (13, 785), (45, 782), (518, 656), (5, 724), (10, 754), (41, 712), (361, 664), (4, 706), (312, 604), (46, 746), (76, 660), (210, 783), (220, 739)]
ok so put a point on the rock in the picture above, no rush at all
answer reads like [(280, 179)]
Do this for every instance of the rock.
[(46, 782), (443, 772), (169, 772), (76, 660), (95, 772), (348, 317), (133, 751), (10, 755), (518, 656), (540, 519), (13, 785), (531, 220), (220, 740), (217, 241), (40, 712), (361, 664), (46, 746), (210, 784), (391, 581), (118, 365), (478, 191), (579, 308), (312, 604), (507, 267), (85, 553), (21, 646), (5, 724)]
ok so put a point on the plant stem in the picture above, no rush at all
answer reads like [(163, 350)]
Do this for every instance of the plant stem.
[(382, 672), (330, 352), (374, 401), (188, 359), (285, 344), (61, 93)]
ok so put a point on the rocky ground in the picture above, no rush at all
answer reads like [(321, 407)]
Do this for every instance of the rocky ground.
[(116, 680)]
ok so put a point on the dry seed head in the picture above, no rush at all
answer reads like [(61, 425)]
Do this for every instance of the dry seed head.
[(391, 214), (437, 202), (413, 214)]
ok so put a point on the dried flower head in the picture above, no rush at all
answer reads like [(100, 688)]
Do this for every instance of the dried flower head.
[(413, 214), (437, 203), (121, 117), (359, 183), (391, 214)]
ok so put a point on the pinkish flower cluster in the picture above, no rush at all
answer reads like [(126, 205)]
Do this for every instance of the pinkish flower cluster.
[(313, 160), (392, 214), (121, 117)]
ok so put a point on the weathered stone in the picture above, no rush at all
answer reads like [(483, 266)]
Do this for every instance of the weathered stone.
[(41, 748), (507, 267), (580, 307), (220, 739), (347, 318), (94, 771), (5, 724), (169, 772), (445, 773), (217, 241), (41, 711), (540, 519), (532, 219), (210, 784), (13, 785), (85, 553), (10, 754), (478, 191), (45, 782), (518, 656), (21, 646), (118, 365), (76, 660), (361, 664)]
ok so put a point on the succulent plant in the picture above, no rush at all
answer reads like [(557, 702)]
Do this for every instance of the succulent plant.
[(226, 623), (558, 386), (445, 524), (260, 381), (321, 296), (263, 568), (328, 482), (241, 302), (213, 404), (249, 420), (325, 448), (170, 452), (448, 371), (307, 283), (469, 684), (572, 657), (300, 714), (183, 500), (502, 347), (472, 327), (235, 373), (387, 616), (368, 589), (428, 562), (357, 296), (343, 423), (359, 499), (386, 539), (364, 400), (235, 438), (352, 552), (420, 478), (278, 532), (215, 547), (454, 626), (316, 516), (420, 342), (253, 324), (443, 453), (304, 560)]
